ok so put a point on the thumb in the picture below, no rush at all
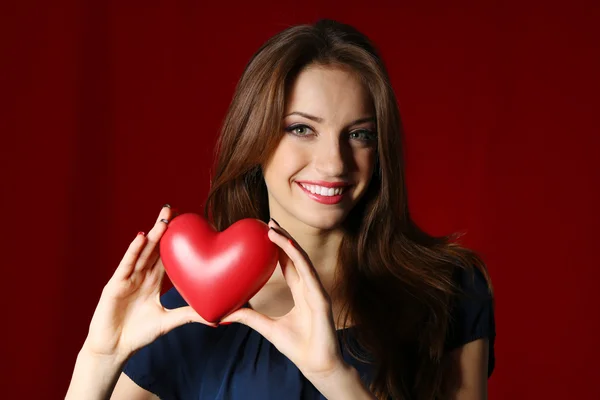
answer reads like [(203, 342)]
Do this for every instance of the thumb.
[(253, 319), (183, 315)]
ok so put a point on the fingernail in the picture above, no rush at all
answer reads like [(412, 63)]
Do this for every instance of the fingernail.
[(165, 221), (166, 205), (224, 323), (273, 219), (141, 233)]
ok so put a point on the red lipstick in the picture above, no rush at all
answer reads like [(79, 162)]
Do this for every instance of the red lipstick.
[(330, 185)]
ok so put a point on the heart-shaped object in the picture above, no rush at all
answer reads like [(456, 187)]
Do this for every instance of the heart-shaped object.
[(217, 272)]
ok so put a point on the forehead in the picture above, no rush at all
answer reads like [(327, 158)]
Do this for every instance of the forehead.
[(330, 92)]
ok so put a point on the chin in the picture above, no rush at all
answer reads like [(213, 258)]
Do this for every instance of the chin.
[(323, 220)]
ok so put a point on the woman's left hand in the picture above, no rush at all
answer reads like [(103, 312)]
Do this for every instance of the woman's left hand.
[(306, 334)]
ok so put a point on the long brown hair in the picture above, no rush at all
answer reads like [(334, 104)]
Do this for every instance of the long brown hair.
[(396, 282)]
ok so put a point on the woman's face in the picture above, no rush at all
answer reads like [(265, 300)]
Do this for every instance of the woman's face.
[(325, 159)]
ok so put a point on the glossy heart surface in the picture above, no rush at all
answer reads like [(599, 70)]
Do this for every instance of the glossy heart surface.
[(217, 272)]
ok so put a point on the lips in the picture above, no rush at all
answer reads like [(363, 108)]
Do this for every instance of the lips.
[(326, 183), (324, 192)]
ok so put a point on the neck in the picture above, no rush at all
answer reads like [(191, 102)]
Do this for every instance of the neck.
[(321, 246)]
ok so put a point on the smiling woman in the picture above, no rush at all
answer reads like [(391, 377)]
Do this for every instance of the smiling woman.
[(364, 303), (323, 165)]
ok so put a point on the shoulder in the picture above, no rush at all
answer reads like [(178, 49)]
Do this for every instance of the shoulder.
[(472, 312), (472, 284), (472, 309)]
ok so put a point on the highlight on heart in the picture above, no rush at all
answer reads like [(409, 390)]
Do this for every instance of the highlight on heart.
[(217, 272)]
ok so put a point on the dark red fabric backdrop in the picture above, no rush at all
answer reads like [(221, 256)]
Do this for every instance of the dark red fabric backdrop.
[(111, 109)]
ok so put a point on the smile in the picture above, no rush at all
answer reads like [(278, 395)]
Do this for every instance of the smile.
[(333, 193)]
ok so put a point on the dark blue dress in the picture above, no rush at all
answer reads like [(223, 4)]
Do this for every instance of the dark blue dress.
[(235, 362)]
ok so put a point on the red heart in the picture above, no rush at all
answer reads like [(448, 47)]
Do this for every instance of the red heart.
[(217, 272)]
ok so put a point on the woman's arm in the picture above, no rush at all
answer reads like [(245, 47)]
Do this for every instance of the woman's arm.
[(342, 384), (471, 365), (129, 316), (93, 376)]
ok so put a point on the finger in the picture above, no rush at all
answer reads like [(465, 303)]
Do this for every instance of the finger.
[(148, 255), (253, 319), (154, 277), (158, 265), (292, 279), (183, 315), (275, 225), (301, 263), (288, 270), (127, 263)]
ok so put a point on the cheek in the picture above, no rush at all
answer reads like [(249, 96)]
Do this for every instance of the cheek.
[(287, 160), (365, 161)]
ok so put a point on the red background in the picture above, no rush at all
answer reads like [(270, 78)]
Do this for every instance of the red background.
[(112, 108)]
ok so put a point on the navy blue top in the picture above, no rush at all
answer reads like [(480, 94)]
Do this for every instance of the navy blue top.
[(199, 362)]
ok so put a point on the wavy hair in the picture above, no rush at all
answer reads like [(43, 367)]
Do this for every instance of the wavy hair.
[(395, 281)]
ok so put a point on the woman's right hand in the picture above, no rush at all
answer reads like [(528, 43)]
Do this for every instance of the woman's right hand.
[(129, 314)]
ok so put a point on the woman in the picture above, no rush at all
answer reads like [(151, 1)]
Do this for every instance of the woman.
[(365, 305)]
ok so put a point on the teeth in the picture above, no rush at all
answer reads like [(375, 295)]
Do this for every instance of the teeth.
[(323, 191)]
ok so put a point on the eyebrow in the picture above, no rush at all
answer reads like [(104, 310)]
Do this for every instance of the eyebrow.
[(319, 119)]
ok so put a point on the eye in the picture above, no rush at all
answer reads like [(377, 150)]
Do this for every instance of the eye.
[(299, 130), (364, 135)]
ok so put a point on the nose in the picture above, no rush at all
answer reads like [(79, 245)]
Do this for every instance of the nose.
[(331, 158)]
